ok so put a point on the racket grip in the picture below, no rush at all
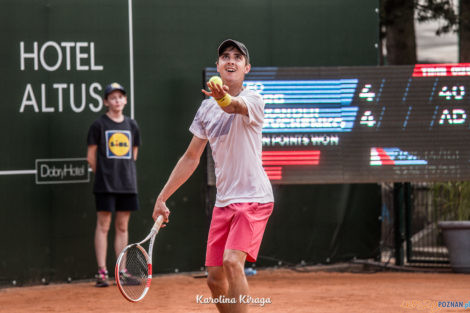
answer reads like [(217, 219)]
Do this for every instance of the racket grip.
[(158, 224)]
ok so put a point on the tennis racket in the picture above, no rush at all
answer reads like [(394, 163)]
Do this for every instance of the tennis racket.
[(133, 271)]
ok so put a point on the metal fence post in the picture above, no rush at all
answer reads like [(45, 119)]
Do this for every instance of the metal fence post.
[(399, 236)]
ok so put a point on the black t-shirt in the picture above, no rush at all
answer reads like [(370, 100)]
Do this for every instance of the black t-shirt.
[(115, 165)]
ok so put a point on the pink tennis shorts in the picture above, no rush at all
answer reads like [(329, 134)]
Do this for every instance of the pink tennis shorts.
[(237, 226)]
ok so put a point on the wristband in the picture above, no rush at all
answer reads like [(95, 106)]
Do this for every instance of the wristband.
[(224, 101)]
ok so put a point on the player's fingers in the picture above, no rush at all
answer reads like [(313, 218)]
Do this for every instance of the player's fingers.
[(212, 86), (166, 216), (209, 94), (165, 213), (216, 87), (218, 92), (166, 220)]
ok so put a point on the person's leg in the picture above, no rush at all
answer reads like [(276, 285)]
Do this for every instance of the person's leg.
[(101, 245), (218, 285), (216, 279), (121, 223), (234, 269), (101, 237)]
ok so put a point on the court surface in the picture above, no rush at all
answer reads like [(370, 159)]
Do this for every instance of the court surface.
[(287, 290)]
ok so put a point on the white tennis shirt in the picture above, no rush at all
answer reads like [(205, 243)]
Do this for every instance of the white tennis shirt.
[(236, 144)]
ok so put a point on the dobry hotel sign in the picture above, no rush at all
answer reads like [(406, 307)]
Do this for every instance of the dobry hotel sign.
[(61, 171)]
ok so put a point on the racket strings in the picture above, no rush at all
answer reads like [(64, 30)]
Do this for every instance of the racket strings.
[(133, 272)]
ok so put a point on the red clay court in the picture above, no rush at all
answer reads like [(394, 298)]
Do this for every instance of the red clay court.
[(287, 290)]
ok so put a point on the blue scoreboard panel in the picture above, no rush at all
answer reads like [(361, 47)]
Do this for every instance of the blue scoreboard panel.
[(364, 124)]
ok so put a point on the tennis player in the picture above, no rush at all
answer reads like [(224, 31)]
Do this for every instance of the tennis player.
[(231, 121)]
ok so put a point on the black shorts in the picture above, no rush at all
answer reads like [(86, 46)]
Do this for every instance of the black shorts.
[(112, 202)]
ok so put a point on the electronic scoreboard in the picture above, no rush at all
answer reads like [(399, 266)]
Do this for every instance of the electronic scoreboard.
[(363, 124)]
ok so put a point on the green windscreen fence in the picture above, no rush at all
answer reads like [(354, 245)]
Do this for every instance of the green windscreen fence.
[(56, 58)]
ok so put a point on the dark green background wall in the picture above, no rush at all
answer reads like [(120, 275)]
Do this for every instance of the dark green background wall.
[(47, 230)]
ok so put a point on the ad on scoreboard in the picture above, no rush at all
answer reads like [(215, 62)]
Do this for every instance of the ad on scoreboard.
[(364, 124)]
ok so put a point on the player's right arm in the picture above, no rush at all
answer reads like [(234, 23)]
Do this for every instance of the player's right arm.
[(185, 167), (91, 157)]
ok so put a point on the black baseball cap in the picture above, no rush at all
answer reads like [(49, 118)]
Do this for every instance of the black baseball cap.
[(112, 87), (237, 44)]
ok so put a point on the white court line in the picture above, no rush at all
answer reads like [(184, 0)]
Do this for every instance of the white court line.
[(131, 58), (18, 172)]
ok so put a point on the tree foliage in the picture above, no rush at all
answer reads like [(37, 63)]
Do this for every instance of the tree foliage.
[(443, 10), (452, 200), (397, 19)]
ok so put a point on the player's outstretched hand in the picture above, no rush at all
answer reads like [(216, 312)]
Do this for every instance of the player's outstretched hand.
[(216, 91), (160, 208)]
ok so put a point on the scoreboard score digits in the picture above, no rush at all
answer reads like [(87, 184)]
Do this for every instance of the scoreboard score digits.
[(364, 124)]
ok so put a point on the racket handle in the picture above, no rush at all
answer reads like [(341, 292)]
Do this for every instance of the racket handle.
[(158, 224)]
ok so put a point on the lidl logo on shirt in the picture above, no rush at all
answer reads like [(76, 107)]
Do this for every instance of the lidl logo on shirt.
[(119, 144)]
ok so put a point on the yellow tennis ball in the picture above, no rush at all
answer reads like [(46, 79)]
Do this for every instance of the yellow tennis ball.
[(216, 80)]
